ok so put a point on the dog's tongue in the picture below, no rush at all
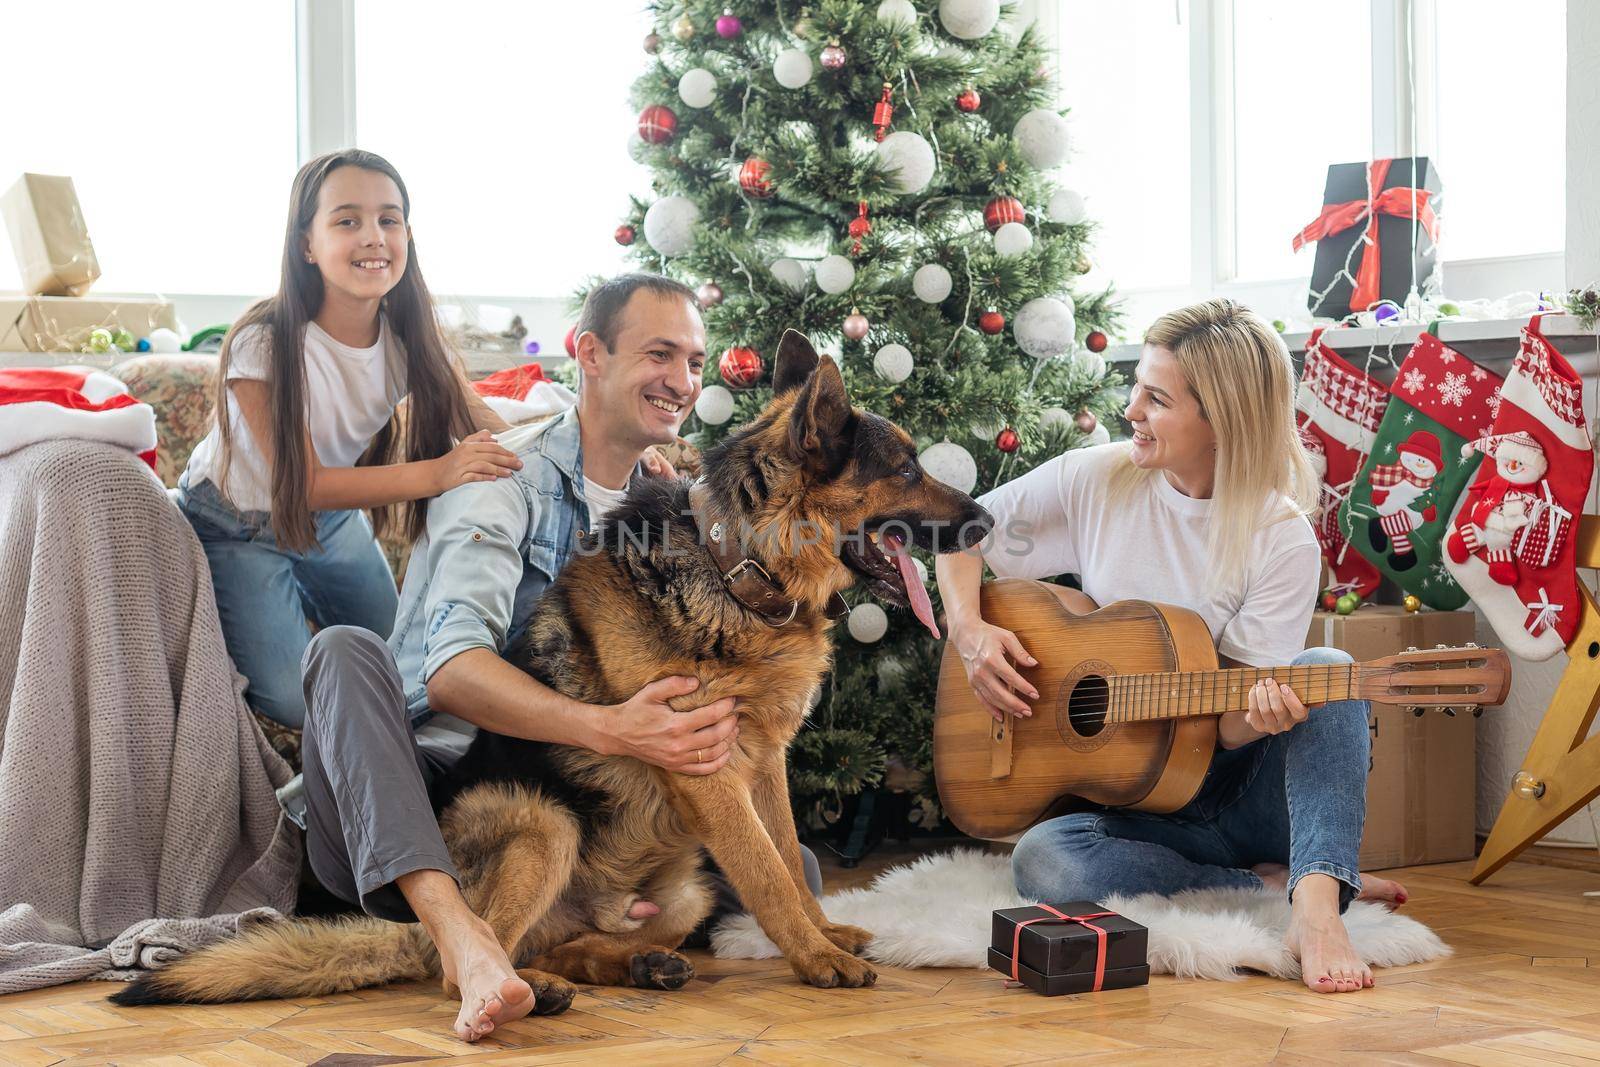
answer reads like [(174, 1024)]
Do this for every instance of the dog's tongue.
[(914, 587)]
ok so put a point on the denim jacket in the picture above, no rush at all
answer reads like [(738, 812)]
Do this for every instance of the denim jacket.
[(489, 551)]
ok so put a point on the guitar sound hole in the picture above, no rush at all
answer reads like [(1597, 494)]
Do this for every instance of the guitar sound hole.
[(1086, 707)]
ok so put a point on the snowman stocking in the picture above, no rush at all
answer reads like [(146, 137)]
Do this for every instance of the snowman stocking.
[(1511, 545), (1397, 511), (1340, 408)]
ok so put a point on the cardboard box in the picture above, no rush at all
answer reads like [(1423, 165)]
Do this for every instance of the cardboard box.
[(1423, 779), (12, 310), (49, 237), (63, 323)]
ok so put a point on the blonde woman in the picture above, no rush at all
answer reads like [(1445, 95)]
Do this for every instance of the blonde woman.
[(1204, 509)]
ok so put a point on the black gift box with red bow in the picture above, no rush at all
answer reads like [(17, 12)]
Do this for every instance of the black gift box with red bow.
[(1076, 947), (1392, 202)]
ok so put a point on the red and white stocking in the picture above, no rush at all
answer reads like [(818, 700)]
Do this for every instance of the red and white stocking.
[(1511, 543), (1340, 408)]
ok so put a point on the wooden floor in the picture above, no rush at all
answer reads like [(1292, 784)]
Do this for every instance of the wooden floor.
[(1523, 988)]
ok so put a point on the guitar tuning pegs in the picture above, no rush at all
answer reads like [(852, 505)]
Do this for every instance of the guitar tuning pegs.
[(1477, 712), (1440, 647), (1418, 712), (1448, 710), (1411, 648)]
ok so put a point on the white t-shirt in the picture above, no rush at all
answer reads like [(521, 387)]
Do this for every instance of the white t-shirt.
[(1152, 546), (601, 501), (350, 395)]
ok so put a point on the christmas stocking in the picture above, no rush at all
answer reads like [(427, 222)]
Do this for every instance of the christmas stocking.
[(1340, 408), (1399, 507), (1511, 543)]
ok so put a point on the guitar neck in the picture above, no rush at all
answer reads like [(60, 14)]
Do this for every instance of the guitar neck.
[(1184, 694)]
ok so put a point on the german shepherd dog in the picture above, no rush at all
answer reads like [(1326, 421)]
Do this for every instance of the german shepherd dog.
[(554, 844)]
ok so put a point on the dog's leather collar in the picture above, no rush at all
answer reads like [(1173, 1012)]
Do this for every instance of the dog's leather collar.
[(746, 580)]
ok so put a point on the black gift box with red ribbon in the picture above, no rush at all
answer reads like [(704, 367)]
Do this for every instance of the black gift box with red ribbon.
[(1394, 204), (1076, 947)]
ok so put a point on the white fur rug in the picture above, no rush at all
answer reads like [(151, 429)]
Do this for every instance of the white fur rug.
[(936, 913)]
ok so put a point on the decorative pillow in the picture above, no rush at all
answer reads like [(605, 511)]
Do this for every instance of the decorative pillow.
[(179, 388)]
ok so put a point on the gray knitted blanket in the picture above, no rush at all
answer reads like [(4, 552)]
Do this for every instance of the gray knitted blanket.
[(137, 815)]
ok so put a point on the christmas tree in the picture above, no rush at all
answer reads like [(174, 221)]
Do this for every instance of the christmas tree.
[(876, 175)]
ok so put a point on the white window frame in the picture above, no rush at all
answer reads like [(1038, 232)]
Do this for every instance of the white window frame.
[(1399, 73)]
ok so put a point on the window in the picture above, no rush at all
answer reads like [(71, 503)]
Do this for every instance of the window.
[(510, 125), (1302, 99), (1130, 136), (1502, 127), (177, 126)]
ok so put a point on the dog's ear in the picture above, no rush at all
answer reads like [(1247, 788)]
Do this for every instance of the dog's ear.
[(796, 360), (819, 426)]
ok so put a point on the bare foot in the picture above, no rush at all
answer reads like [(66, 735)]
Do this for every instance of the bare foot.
[(1329, 963), (1273, 876), (491, 992), (1388, 893)]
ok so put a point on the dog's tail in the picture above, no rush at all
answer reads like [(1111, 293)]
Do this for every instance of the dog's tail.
[(304, 958)]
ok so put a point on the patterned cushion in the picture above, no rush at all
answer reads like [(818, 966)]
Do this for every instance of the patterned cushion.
[(179, 387)]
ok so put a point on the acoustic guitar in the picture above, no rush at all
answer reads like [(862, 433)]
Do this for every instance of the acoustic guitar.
[(1129, 697)]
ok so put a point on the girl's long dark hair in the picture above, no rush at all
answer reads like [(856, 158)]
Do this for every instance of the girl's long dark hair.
[(436, 411)]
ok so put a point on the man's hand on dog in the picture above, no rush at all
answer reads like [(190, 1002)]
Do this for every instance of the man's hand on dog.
[(689, 742)]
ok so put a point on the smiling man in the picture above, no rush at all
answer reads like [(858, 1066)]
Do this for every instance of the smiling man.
[(383, 720)]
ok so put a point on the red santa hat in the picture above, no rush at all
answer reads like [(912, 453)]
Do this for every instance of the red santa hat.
[(1424, 445), (519, 394), (1490, 444), (48, 403)]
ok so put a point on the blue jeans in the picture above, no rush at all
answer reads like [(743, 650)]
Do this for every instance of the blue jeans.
[(1296, 798), (267, 595)]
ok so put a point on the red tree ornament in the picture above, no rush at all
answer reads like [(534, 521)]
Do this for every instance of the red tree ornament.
[(860, 226), (968, 100), (1007, 440), (1001, 210), (1095, 342), (657, 124), (625, 234), (991, 322), (883, 112), (572, 341), (1330, 600), (1085, 420), (740, 367), (755, 177)]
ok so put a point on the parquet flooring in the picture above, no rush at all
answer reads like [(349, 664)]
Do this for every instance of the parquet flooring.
[(1523, 988)]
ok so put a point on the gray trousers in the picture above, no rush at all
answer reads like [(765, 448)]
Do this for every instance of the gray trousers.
[(369, 816)]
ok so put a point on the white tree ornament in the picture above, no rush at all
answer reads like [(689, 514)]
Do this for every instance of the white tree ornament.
[(1012, 239), (969, 19), (715, 405), (1066, 207), (1044, 328), (893, 363), (791, 272), (950, 464), (697, 87), (669, 225), (1042, 138), (931, 283), (835, 274), (792, 68), (867, 622), (1055, 420), (908, 160), (897, 14)]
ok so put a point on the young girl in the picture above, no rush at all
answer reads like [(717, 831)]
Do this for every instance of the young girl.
[(305, 437), (1204, 508)]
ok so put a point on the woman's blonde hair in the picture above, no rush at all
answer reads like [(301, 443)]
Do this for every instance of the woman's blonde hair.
[(1238, 368)]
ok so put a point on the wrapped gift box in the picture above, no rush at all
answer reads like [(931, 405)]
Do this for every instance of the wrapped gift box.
[(49, 237), (1340, 264), (63, 323), (1423, 776), (1054, 956)]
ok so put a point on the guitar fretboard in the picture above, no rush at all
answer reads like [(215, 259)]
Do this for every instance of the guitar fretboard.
[(1181, 694)]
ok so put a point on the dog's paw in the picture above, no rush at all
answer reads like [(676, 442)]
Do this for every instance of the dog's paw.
[(659, 968), (552, 994), (852, 939), (833, 969)]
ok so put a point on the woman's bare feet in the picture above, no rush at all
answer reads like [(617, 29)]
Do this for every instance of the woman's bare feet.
[(1388, 893), (1329, 963)]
